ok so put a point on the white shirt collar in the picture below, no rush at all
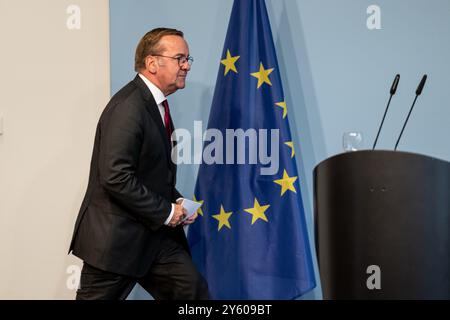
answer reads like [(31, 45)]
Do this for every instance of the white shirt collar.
[(156, 92)]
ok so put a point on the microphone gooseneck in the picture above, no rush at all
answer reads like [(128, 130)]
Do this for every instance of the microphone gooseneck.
[(392, 92), (418, 93)]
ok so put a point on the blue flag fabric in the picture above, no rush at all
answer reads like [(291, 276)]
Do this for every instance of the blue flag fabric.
[(250, 240)]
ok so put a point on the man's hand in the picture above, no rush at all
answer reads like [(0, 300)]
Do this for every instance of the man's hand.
[(190, 220), (178, 214)]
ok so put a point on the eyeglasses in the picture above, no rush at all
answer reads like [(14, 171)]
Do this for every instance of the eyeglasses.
[(181, 60)]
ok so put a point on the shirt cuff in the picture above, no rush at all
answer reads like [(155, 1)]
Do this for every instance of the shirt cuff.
[(170, 215)]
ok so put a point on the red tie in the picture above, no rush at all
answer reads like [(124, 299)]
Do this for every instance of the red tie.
[(167, 122)]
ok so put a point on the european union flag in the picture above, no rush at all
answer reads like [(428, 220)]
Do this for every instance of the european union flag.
[(250, 240)]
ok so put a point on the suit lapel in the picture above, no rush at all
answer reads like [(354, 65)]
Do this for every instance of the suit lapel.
[(152, 108), (174, 144)]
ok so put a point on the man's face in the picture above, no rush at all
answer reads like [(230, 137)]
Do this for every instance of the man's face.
[(170, 74)]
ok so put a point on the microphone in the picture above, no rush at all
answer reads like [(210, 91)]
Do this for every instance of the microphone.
[(418, 93), (393, 90)]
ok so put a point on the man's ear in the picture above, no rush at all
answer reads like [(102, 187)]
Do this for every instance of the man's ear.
[(150, 64)]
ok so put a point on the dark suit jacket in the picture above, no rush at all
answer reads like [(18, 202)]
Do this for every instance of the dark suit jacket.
[(131, 187)]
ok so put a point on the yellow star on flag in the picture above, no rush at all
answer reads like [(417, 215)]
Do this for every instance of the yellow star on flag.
[(262, 75), (282, 104), (199, 210), (229, 63), (223, 218), (257, 212), (290, 144), (286, 183)]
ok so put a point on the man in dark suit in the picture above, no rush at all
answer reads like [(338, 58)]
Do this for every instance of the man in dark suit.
[(130, 226)]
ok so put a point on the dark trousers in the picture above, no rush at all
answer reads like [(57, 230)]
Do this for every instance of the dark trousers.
[(172, 276)]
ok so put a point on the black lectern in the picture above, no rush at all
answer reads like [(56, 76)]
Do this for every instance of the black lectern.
[(382, 223)]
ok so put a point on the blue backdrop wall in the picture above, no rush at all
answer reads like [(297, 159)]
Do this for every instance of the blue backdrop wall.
[(337, 61)]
